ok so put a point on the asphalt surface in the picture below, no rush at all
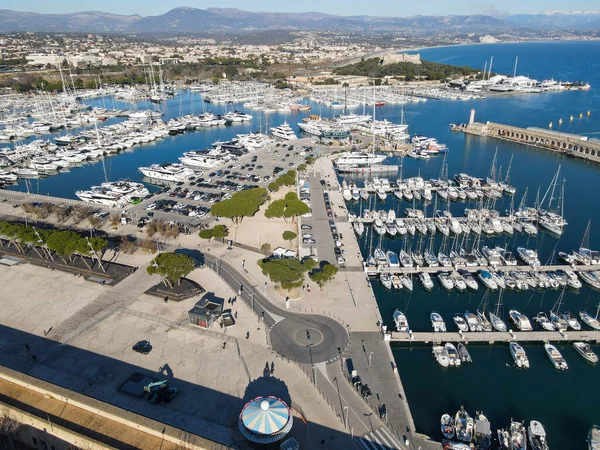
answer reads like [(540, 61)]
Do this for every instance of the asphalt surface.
[(320, 222), (326, 338)]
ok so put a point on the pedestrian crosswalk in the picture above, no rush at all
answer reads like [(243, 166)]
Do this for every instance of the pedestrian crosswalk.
[(380, 439)]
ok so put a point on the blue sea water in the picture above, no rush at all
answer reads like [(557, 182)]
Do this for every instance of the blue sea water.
[(565, 402)]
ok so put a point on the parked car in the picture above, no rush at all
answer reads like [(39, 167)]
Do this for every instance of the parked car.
[(143, 347), (306, 227), (308, 241)]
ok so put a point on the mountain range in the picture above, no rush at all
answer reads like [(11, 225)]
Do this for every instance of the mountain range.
[(186, 20)]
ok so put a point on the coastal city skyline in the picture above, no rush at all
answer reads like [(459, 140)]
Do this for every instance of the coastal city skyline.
[(335, 7), (225, 229)]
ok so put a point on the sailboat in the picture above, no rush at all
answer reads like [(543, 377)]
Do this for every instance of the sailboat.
[(483, 321), (552, 219), (559, 323), (495, 319), (584, 251), (589, 320)]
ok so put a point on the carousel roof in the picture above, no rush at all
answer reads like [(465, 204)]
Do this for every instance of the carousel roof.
[(265, 419)]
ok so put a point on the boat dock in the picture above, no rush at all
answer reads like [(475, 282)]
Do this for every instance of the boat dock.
[(494, 337), (566, 143), (374, 271)]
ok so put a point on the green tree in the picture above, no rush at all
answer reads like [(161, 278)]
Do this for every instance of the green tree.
[(207, 233), (64, 243), (287, 272), (172, 267), (241, 204), (273, 186), (275, 209), (327, 273), (220, 232), (289, 236), (302, 167), (265, 249)]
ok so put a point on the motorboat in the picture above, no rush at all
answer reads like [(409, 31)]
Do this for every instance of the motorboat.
[(426, 281), (586, 352), (555, 357), (528, 256), (571, 320), (537, 436), (482, 434), (437, 322), (520, 320), (441, 355), (463, 353), (559, 323), (519, 355), (381, 194), (460, 322), (392, 259), (463, 425), (386, 280), (167, 172), (593, 438), (544, 322), (284, 132), (473, 321), (446, 281), (518, 439), (459, 282), (503, 439), (447, 426), (590, 278), (396, 283), (430, 259), (453, 356), (400, 321), (487, 279), (469, 279), (572, 280)]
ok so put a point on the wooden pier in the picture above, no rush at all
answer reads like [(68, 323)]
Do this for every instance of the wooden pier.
[(495, 337)]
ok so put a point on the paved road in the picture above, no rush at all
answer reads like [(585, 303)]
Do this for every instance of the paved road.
[(320, 221), (288, 335)]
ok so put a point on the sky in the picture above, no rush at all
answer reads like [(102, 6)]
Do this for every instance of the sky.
[(399, 8)]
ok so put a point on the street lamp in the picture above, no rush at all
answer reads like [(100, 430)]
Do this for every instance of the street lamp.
[(346, 417), (370, 354)]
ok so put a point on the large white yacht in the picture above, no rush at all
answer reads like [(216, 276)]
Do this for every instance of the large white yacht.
[(358, 159), (167, 172), (114, 194), (203, 160), (349, 119), (284, 132), (236, 116), (555, 357)]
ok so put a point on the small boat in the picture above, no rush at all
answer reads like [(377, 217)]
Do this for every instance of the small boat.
[(571, 320), (542, 319), (593, 438), (590, 320), (441, 355), (470, 281), (463, 353), (537, 436), (396, 283), (504, 439), (463, 425), (447, 425), (401, 322), (460, 322), (586, 352), (437, 322), (555, 357), (487, 279), (452, 354), (520, 320), (426, 281), (446, 281), (518, 441), (473, 321), (386, 280), (482, 432), (519, 355), (528, 256)]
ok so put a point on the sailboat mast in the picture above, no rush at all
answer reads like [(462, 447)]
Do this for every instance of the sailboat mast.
[(516, 62)]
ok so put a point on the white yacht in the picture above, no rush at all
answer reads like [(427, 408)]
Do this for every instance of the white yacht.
[(452, 354), (590, 320), (519, 355), (284, 132), (167, 172), (441, 355), (426, 281), (358, 159), (537, 436), (437, 322), (528, 256), (236, 116), (114, 194), (586, 352), (555, 357), (460, 322), (520, 320), (401, 322)]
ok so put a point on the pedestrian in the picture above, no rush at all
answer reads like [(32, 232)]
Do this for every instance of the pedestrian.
[(303, 287), (247, 334), (308, 290), (235, 315), (272, 367), (243, 263)]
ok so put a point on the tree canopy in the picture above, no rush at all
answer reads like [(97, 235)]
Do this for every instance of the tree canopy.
[(325, 274), (289, 236), (290, 206), (432, 71), (172, 267), (287, 272), (241, 204), (220, 232)]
